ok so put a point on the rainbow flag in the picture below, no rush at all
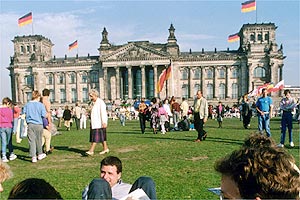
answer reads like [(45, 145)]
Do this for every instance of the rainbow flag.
[(26, 19), (73, 45), (233, 38), (249, 6)]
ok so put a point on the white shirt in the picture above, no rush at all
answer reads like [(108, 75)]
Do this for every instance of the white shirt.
[(98, 114)]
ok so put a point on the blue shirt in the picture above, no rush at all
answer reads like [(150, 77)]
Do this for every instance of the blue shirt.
[(34, 111), (264, 103)]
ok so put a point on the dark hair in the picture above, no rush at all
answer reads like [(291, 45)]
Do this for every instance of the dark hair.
[(46, 92), (113, 161), (34, 188), (154, 100), (286, 92)]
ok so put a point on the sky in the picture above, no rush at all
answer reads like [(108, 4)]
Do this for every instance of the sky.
[(198, 24)]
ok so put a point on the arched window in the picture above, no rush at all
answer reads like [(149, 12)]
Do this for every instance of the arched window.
[(62, 95), (85, 96), (33, 48), (84, 78), (52, 96), (22, 49), (222, 73), (197, 74), (209, 74), (234, 73), (259, 72), (74, 95), (234, 90), (184, 75), (94, 77), (29, 80), (185, 91), (50, 79), (196, 88), (222, 91), (61, 79), (209, 91), (267, 36), (72, 78), (252, 37), (259, 37), (28, 49)]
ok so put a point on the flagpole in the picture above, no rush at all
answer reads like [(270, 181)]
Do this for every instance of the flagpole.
[(172, 72)]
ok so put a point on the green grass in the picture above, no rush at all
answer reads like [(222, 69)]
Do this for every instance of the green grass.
[(181, 168)]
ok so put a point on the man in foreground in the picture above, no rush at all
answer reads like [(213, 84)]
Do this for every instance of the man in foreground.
[(200, 115), (110, 185)]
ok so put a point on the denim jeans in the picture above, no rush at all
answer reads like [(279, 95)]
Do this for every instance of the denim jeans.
[(286, 121), (5, 138), (264, 124)]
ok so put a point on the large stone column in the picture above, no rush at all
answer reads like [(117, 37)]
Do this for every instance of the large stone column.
[(228, 91), (191, 73), (56, 89), (214, 82), (117, 82), (67, 88), (155, 79), (78, 87), (129, 82), (143, 81), (105, 79), (202, 83)]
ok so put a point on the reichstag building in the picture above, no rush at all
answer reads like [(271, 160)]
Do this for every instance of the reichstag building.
[(130, 71)]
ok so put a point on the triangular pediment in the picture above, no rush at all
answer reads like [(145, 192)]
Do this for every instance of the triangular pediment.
[(134, 51)]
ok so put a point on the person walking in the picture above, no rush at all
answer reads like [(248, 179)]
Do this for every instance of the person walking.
[(59, 115), (6, 128), (99, 121), (175, 109), (287, 105), (163, 117), (264, 107), (246, 112), (35, 111), (184, 106), (83, 116), (77, 112), (220, 113), (122, 114), (200, 115), (154, 115), (143, 108)]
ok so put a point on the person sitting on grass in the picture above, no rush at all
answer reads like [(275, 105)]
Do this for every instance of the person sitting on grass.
[(259, 170), (110, 185)]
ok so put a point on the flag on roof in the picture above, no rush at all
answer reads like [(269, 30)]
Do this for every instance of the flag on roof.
[(249, 6), (73, 45), (234, 37), (26, 19)]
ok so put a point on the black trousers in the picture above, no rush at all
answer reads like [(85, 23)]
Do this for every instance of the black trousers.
[(142, 118), (199, 126)]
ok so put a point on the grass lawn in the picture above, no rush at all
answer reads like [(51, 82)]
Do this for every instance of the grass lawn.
[(181, 168)]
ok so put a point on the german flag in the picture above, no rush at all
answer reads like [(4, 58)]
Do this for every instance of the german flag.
[(26, 19), (165, 75), (233, 38), (249, 6), (73, 45)]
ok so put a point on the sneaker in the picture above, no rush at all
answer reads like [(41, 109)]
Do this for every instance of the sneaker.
[(12, 156), (41, 156), (280, 145), (4, 159), (34, 160), (292, 144)]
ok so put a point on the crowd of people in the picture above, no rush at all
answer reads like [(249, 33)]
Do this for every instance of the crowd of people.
[(256, 150)]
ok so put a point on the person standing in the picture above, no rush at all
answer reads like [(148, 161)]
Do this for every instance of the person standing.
[(163, 117), (67, 116), (287, 105), (167, 108), (220, 114), (184, 106), (200, 115), (59, 115), (83, 118), (175, 108), (154, 115), (99, 121), (6, 128), (16, 114), (35, 111), (264, 107), (122, 114), (142, 114), (246, 112), (77, 112)]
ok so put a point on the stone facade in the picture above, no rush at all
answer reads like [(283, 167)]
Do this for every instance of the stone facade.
[(131, 70)]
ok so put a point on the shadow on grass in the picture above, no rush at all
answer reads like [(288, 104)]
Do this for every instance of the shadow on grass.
[(66, 148)]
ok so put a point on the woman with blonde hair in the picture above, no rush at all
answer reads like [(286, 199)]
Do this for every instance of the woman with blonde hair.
[(5, 173)]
